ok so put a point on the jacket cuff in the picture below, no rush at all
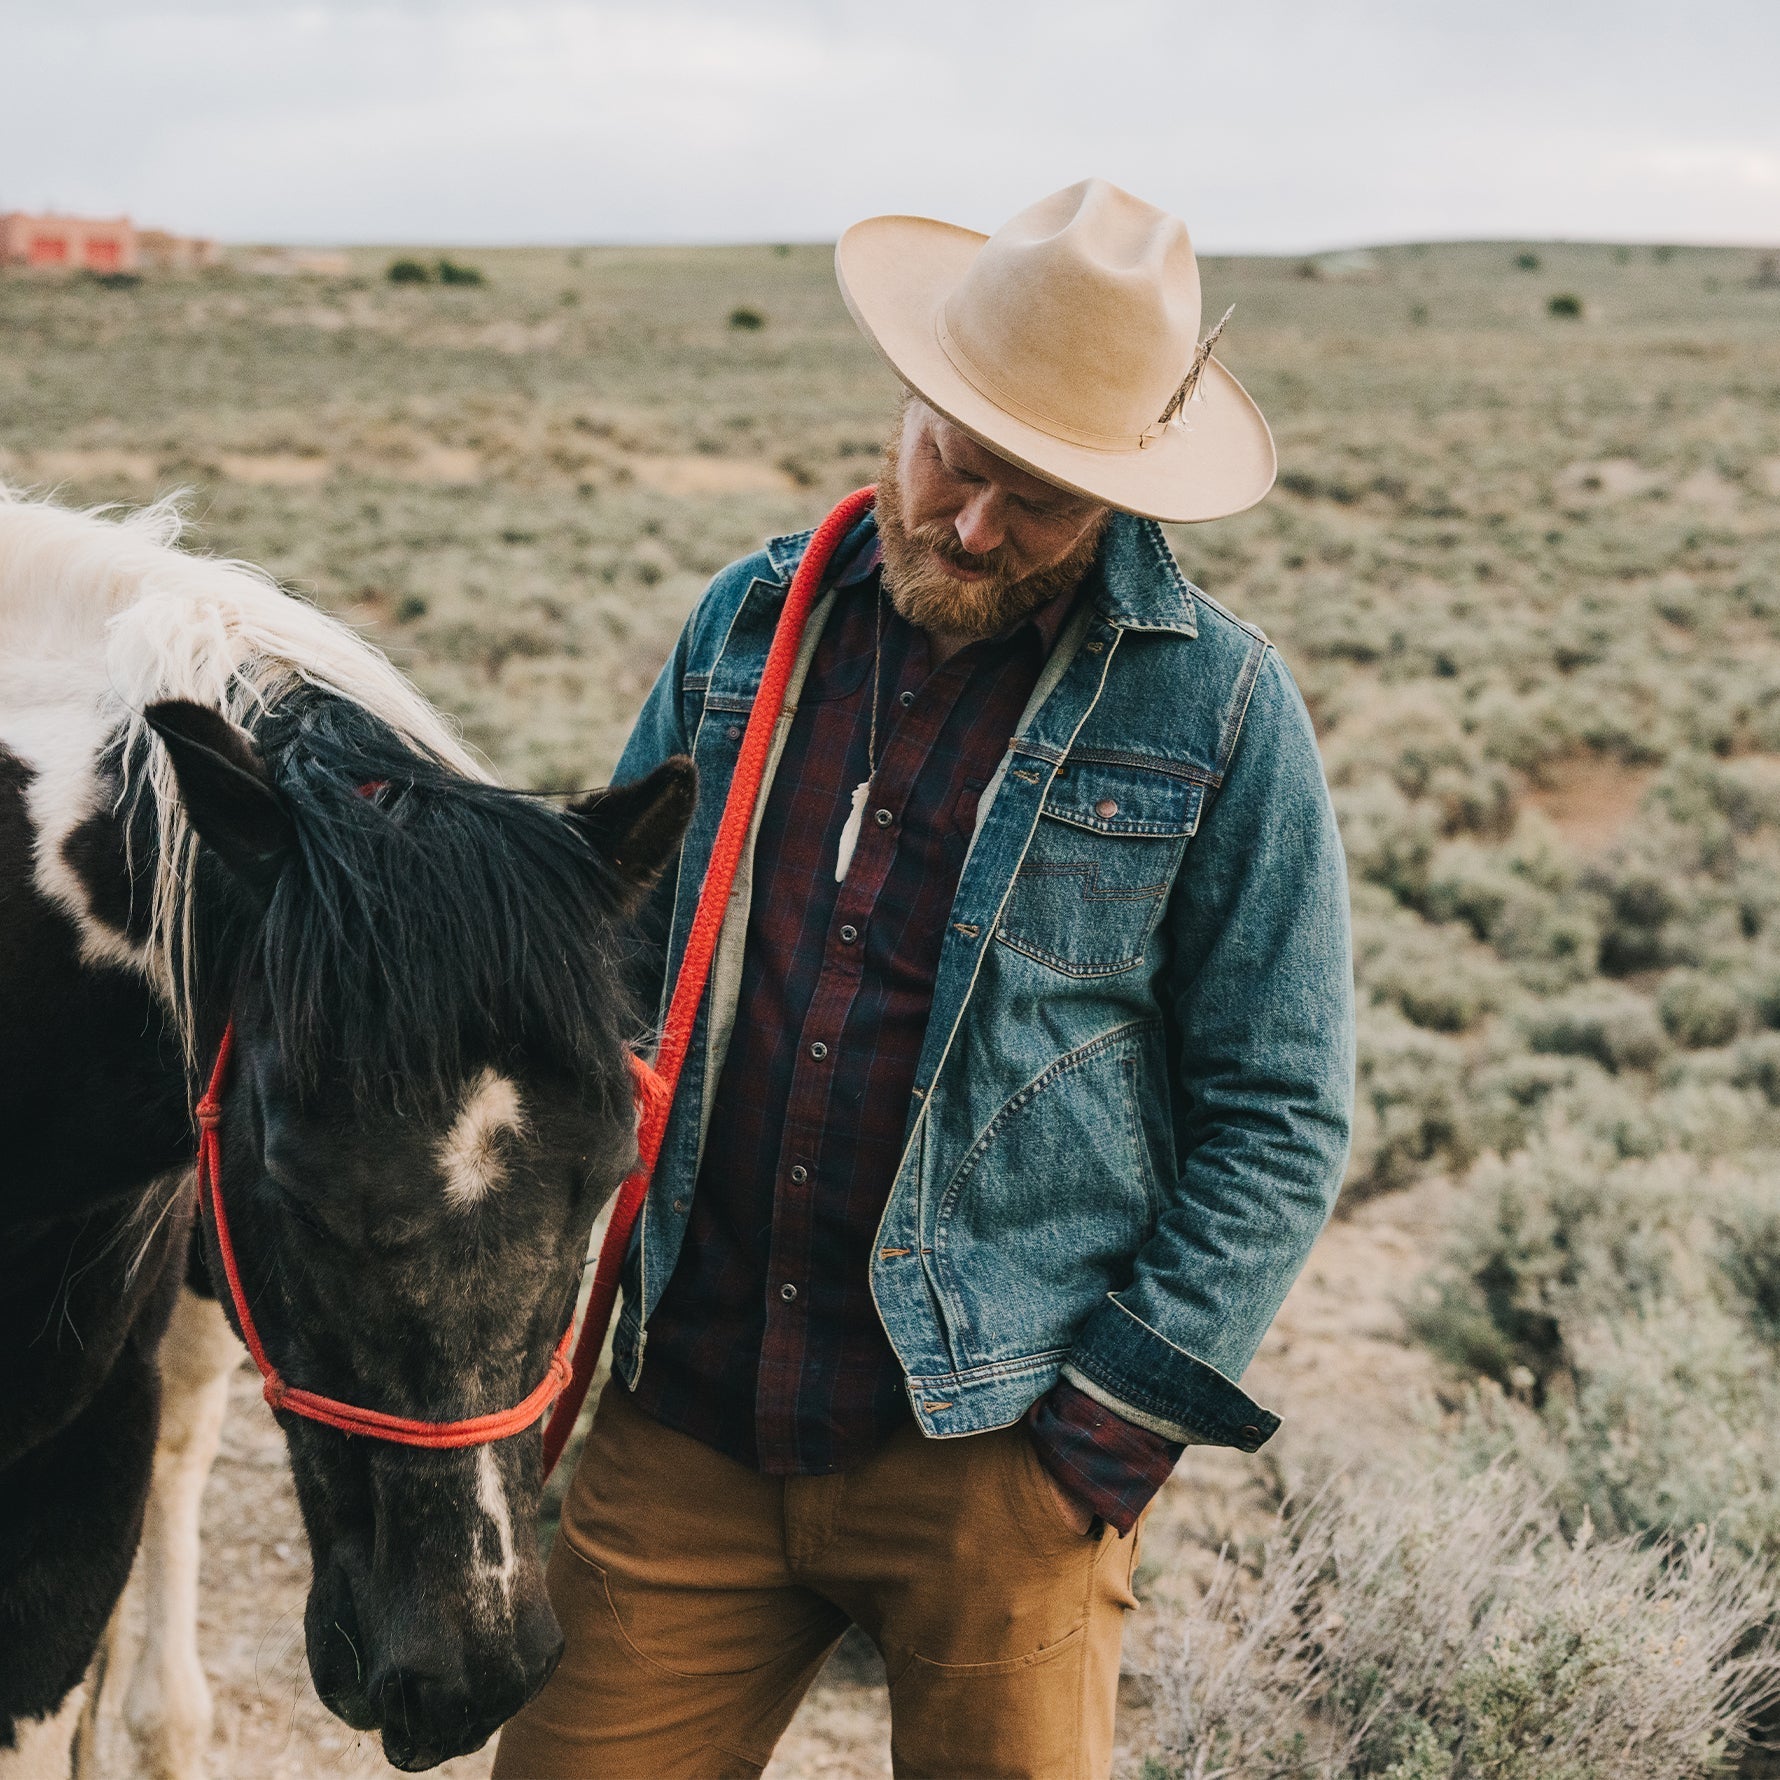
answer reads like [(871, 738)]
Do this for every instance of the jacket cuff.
[(1122, 1363)]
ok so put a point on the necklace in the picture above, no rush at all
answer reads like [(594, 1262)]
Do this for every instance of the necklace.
[(856, 816)]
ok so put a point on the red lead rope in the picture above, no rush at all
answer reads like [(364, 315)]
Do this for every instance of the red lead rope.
[(656, 1087), (566, 1382)]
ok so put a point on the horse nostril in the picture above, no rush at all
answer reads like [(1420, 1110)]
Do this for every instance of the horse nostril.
[(427, 1719), (539, 1669)]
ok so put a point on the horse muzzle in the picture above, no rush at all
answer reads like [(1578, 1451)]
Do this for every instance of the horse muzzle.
[(431, 1690)]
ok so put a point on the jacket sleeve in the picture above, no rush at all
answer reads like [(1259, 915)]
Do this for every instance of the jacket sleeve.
[(1258, 992)]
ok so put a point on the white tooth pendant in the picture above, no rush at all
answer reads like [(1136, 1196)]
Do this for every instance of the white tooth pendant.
[(850, 833)]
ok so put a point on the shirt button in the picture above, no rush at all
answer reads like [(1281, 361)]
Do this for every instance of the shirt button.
[(1106, 809), (818, 1050), (883, 818), (800, 1173), (788, 1291), (848, 935), (908, 698)]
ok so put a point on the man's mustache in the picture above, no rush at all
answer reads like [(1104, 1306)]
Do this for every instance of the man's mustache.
[(944, 544)]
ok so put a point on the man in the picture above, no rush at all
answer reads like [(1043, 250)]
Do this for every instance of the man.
[(1023, 1083)]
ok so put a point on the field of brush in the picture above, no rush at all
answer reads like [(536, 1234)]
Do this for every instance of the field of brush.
[(1526, 567)]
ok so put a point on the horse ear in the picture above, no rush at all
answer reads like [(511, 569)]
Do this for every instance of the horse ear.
[(637, 829), (227, 791)]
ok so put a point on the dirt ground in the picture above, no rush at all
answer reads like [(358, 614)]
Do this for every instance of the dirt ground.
[(1337, 1364)]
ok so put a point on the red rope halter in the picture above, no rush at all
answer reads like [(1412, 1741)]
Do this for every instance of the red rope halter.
[(566, 1381)]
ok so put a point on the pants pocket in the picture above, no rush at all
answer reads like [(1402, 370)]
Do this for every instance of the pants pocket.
[(1034, 1499), (1016, 1718)]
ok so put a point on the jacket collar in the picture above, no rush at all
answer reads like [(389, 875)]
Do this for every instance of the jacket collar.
[(1135, 582)]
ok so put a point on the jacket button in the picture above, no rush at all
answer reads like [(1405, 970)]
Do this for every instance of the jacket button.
[(818, 1050), (800, 1173), (883, 818), (848, 935), (734, 732), (788, 1291), (1106, 809), (1251, 1437)]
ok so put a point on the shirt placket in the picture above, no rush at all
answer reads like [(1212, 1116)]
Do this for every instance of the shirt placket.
[(909, 726)]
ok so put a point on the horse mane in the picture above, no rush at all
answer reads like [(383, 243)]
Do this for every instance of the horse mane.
[(431, 924), (101, 605)]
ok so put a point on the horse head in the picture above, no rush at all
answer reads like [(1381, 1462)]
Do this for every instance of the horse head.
[(429, 1101)]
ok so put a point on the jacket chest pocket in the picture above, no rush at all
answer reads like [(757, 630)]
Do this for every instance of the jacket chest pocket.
[(1103, 858)]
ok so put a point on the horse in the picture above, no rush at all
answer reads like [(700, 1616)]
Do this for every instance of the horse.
[(223, 810)]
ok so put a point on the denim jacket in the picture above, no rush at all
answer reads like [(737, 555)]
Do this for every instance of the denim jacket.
[(1132, 1106)]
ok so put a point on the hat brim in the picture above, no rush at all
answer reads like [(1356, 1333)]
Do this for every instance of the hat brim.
[(896, 271)]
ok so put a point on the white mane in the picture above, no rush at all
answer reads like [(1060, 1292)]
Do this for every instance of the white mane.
[(100, 615)]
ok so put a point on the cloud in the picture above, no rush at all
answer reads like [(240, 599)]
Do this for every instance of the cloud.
[(1278, 124)]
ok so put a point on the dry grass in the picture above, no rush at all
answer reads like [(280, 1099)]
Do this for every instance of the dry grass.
[(1445, 1629)]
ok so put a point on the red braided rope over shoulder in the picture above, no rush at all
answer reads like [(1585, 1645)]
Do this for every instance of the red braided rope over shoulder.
[(657, 1085)]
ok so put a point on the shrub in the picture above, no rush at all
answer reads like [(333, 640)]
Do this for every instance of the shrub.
[(1675, 1424), (748, 321), (1528, 262), (1557, 1235), (1641, 903), (1699, 1011), (1389, 839), (1615, 1026), (1446, 1629), (1411, 1107), (408, 272), (1757, 1065), (1566, 306), (1438, 977), (1635, 1306), (450, 272), (1517, 1093)]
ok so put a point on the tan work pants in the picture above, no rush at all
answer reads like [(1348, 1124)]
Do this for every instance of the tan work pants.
[(699, 1600)]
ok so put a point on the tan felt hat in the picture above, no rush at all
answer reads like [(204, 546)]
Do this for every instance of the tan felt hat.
[(1067, 341)]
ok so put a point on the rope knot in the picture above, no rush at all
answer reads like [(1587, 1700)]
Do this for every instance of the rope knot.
[(208, 1113)]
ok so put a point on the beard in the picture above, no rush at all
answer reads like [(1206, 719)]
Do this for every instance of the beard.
[(929, 598)]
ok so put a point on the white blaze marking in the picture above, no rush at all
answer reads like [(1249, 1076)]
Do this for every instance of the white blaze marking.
[(491, 1498), (470, 1152)]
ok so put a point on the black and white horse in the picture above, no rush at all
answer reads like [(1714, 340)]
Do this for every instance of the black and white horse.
[(216, 803)]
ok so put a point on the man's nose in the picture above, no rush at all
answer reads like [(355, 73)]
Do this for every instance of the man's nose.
[(979, 525)]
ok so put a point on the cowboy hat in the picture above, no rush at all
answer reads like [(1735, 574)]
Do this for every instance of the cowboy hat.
[(1067, 342)]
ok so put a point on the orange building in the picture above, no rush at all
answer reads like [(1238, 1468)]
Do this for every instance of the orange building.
[(72, 243)]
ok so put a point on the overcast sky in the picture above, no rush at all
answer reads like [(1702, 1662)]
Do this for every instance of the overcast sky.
[(1268, 124)]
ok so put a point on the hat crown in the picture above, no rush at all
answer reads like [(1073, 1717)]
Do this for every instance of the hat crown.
[(1081, 314)]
